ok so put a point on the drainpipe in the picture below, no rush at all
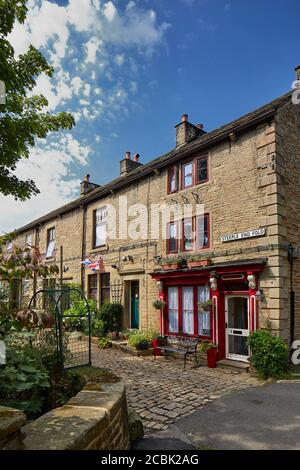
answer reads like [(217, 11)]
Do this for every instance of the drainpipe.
[(291, 257), (83, 246)]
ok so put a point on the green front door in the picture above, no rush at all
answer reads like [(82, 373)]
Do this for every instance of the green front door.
[(135, 313)]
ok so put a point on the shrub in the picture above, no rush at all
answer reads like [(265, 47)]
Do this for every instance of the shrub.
[(23, 382), (152, 334), (137, 338), (104, 343), (75, 318), (269, 354), (111, 315), (97, 326)]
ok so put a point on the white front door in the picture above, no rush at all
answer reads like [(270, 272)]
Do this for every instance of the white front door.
[(237, 327)]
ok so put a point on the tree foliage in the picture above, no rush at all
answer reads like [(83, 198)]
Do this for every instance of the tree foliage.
[(22, 120)]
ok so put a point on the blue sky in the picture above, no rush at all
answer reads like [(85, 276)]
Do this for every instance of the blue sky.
[(129, 70)]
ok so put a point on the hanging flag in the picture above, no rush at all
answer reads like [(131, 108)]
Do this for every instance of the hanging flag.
[(97, 265), (86, 262)]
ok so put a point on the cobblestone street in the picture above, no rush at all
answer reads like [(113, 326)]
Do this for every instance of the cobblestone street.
[(161, 392)]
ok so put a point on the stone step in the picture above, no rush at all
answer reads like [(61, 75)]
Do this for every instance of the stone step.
[(234, 365)]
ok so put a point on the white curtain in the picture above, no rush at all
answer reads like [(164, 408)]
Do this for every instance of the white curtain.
[(204, 328), (173, 309), (188, 310)]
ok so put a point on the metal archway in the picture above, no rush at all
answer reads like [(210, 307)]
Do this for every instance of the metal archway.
[(72, 322)]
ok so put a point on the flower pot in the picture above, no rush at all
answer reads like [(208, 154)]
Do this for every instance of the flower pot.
[(143, 345), (212, 354), (199, 263), (156, 342), (171, 267)]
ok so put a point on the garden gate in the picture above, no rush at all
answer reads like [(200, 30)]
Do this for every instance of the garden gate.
[(67, 312)]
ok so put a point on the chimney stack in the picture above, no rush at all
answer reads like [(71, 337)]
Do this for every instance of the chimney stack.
[(127, 165), (186, 132), (297, 70), (185, 118), (86, 186)]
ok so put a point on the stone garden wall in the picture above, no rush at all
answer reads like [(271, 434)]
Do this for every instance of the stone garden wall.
[(11, 434), (96, 418)]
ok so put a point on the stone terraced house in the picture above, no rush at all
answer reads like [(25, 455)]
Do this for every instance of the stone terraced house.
[(247, 176)]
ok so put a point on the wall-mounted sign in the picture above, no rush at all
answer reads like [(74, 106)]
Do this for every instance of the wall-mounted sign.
[(259, 232)]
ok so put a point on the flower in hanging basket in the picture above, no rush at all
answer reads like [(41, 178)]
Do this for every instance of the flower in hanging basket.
[(206, 306), (158, 304)]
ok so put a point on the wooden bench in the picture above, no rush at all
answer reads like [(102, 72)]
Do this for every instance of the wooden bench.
[(183, 345)]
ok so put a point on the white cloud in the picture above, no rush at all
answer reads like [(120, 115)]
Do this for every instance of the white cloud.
[(120, 59), (87, 41), (110, 11), (133, 87), (92, 47), (50, 166)]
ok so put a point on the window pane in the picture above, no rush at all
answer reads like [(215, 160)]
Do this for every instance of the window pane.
[(173, 309), (100, 226), (188, 175), (188, 234), (50, 249), (93, 287), (173, 237), (202, 169), (202, 231), (188, 310), (204, 326), (28, 240), (172, 179), (105, 288), (100, 235)]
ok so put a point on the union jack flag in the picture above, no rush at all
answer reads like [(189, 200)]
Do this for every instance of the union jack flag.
[(97, 265)]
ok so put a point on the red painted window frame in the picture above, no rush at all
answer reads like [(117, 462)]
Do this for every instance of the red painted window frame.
[(193, 232), (197, 181), (168, 237), (191, 162), (195, 335), (206, 217), (180, 236), (175, 170)]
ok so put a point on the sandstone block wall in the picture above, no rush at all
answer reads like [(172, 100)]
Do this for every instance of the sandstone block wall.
[(95, 419), (245, 191)]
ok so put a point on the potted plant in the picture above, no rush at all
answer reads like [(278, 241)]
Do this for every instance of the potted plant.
[(158, 341), (206, 306), (159, 304), (212, 353), (169, 264), (138, 340), (195, 261)]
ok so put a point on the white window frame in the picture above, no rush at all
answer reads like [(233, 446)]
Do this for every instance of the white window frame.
[(100, 222), (50, 243)]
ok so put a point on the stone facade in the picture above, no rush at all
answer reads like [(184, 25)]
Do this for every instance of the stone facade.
[(253, 183)]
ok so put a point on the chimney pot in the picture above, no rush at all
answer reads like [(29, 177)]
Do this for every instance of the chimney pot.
[(127, 155), (297, 70), (136, 157), (184, 118), (86, 178)]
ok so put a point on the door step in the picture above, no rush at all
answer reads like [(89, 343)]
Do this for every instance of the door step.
[(237, 366)]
